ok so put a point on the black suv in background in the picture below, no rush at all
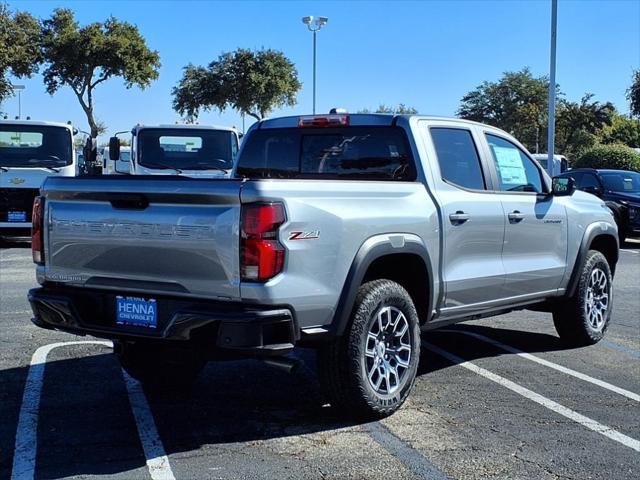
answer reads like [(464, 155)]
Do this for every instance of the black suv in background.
[(620, 190)]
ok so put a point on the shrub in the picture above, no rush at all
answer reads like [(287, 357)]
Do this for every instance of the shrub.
[(609, 156)]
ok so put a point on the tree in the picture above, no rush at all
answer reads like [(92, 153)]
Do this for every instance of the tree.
[(401, 109), (622, 130), (253, 83), (19, 47), (633, 94), (580, 126), (517, 103), (84, 57), (610, 156)]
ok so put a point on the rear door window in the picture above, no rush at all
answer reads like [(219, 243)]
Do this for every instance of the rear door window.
[(362, 153), (458, 158)]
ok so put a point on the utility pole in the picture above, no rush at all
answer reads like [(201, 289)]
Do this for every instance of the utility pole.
[(314, 27), (552, 87)]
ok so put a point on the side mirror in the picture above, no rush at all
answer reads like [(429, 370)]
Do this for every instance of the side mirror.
[(114, 148), (563, 186)]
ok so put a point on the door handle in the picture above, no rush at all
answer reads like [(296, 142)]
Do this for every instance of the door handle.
[(516, 216), (459, 217)]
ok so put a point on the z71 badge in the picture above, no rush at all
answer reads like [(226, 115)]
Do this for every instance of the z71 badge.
[(304, 235)]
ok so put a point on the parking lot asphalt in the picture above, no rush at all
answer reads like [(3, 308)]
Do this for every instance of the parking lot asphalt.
[(496, 398)]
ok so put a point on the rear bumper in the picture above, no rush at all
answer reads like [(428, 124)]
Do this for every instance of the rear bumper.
[(225, 326), (15, 231)]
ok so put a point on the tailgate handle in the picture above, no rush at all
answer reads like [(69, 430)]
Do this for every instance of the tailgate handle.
[(128, 202)]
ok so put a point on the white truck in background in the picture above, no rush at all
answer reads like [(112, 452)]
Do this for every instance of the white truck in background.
[(560, 163), (116, 167), (182, 149), (30, 151)]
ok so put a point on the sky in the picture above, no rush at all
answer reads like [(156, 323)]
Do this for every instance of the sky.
[(426, 54)]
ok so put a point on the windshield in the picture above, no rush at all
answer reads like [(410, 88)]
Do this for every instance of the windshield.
[(628, 182), (35, 146), (365, 153), (184, 149)]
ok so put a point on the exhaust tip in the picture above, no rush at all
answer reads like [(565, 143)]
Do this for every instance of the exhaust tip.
[(285, 364)]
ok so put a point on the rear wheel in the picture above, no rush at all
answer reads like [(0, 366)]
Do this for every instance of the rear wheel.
[(158, 366), (370, 370), (584, 318)]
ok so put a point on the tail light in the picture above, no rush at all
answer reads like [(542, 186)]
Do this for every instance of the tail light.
[(323, 121), (261, 254), (37, 239)]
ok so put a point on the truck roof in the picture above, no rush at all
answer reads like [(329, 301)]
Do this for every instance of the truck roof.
[(40, 123), (187, 127), (360, 119)]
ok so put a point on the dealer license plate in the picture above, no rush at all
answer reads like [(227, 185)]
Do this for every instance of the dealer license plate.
[(136, 311)]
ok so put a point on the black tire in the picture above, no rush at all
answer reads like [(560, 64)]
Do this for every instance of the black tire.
[(159, 367), (576, 322), (344, 366)]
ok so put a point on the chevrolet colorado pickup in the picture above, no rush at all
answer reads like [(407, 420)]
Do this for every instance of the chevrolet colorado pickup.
[(346, 233)]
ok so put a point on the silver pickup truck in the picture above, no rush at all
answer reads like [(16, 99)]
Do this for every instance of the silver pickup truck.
[(346, 233)]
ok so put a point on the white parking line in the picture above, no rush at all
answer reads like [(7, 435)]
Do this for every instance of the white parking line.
[(24, 458), (539, 399), (546, 363), (157, 460)]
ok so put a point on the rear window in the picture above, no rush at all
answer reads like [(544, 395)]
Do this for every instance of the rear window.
[(362, 153)]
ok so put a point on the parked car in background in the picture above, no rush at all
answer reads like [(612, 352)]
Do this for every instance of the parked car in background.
[(620, 190), (190, 150), (30, 151), (343, 233), (560, 163)]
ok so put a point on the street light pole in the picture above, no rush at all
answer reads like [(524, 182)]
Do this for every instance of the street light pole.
[(314, 27), (552, 87), (315, 32), (19, 89)]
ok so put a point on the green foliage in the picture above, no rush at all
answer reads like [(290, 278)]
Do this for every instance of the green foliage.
[(610, 156), (19, 47), (633, 94), (251, 82), (84, 57), (623, 130), (517, 103), (580, 126), (401, 109)]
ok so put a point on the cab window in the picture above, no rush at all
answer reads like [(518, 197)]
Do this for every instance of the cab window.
[(516, 171), (458, 158)]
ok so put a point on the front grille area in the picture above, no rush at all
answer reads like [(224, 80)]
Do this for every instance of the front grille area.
[(16, 200)]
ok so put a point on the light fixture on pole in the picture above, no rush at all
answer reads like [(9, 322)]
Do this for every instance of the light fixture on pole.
[(19, 88), (314, 26)]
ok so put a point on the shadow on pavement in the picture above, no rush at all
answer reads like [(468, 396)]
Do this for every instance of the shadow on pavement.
[(6, 244), (86, 425)]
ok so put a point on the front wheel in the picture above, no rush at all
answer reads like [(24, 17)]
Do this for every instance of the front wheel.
[(584, 318), (370, 370)]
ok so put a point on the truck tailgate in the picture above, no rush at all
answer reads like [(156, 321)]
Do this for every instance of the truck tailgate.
[(152, 234)]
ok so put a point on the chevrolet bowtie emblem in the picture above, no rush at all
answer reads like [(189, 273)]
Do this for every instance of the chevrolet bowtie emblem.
[(16, 181)]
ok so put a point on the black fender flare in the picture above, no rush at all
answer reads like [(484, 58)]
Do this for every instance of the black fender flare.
[(371, 250), (592, 231)]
